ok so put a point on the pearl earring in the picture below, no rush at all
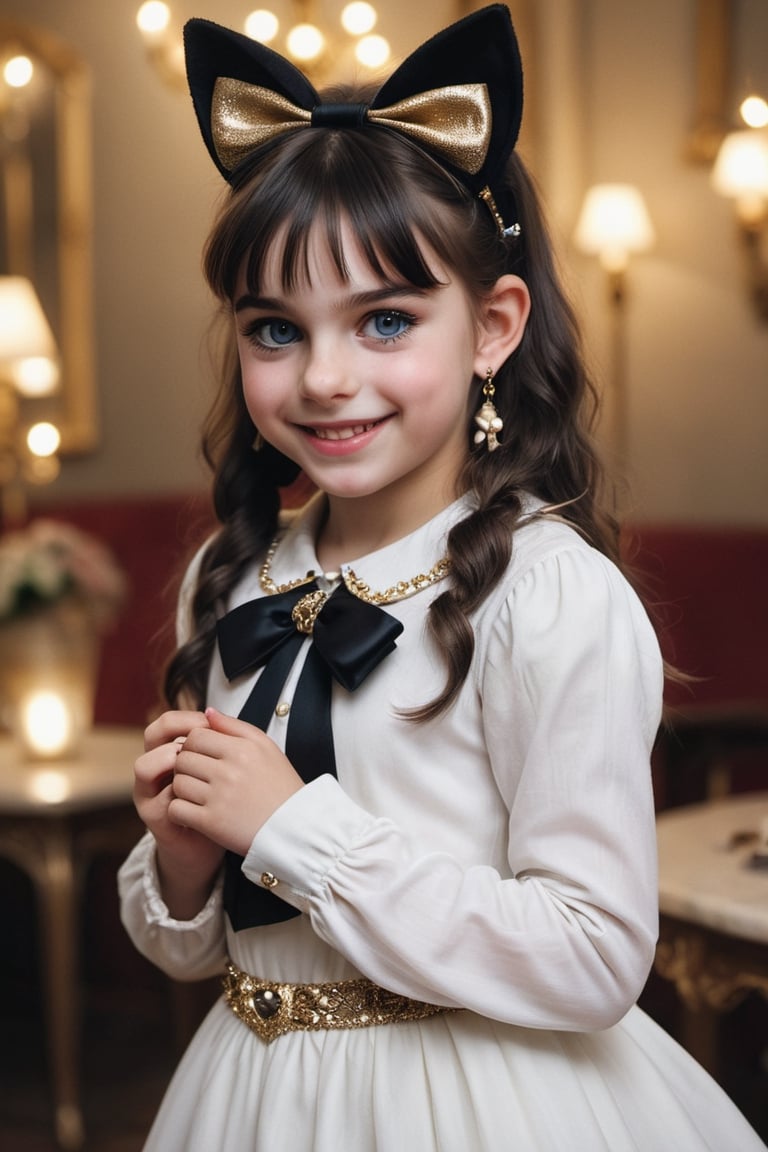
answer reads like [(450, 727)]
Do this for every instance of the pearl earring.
[(488, 421)]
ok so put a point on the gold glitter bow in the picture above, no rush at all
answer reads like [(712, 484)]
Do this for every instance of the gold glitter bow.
[(454, 122)]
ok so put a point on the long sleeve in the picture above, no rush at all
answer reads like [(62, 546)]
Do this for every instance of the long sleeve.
[(568, 674), (184, 949)]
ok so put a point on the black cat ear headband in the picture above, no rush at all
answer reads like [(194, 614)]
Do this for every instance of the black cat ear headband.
[(459, 96)]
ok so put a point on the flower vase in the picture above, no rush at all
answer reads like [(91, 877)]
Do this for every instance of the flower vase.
[(48, 668)]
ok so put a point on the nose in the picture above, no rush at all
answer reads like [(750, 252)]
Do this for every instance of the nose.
[(326, 374)]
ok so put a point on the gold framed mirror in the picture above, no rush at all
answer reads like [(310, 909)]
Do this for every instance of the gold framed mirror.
[(45, 210), (730, 62), (711, 80)]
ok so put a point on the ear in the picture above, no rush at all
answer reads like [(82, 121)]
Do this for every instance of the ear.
[(504, 314)]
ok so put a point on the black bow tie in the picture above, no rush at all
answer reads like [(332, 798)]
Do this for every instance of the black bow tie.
[(351, 635), (350, 638)]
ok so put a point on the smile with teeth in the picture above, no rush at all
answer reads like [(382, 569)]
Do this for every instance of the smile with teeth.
[(343, 433)]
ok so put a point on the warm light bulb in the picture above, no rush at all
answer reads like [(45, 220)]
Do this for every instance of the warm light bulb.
[(36, 375), (46, 723), (741, 171), (358, 18), (305, 42), (262, 25), (614, 222), (43, 439), (372, 51), (754, 111), (153, 17), (18, 71)]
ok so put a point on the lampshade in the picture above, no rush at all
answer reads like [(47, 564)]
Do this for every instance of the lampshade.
[(741, 170), (614, 221), (27, 347)]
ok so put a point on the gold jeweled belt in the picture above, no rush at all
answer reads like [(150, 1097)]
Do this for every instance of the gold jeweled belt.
[(270, 1010)]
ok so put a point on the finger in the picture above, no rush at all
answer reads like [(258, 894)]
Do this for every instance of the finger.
[(143, 791), (200, 741), (230, 726), (190, 788), (187, 815), (170, 725), (200, 765), (154, 770)]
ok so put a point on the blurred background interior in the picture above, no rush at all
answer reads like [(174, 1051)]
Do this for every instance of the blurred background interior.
[(657, 190)]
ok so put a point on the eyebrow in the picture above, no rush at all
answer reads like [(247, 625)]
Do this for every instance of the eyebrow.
[(355, 300)]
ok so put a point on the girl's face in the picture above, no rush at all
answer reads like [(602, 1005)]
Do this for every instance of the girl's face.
[(363, 383)]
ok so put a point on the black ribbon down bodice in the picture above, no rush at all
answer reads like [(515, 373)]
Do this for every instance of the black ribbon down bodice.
[(350, 637)]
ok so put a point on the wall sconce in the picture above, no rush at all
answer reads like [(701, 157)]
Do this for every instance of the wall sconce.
[(312, 47), (29, 370), (613, 224), (741, 173)]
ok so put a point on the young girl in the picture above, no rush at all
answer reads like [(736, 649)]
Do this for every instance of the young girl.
[(401, 800)]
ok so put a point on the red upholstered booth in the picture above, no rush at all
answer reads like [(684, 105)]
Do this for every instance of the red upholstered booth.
[(706, 590)]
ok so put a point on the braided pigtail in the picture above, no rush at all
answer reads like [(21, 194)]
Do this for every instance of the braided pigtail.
[(246, 500)]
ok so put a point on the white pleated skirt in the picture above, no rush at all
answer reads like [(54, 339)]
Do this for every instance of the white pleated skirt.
[(452, 1083)]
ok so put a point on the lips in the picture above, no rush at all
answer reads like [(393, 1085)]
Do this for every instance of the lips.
[(340, 438), (343, 433), (341, 430)]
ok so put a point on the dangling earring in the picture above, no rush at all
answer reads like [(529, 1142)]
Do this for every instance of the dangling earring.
[(488, 421), (258, 442)]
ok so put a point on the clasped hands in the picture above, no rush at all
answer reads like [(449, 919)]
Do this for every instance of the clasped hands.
[(207, 782)]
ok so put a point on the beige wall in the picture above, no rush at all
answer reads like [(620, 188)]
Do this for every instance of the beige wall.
[(611, 98)]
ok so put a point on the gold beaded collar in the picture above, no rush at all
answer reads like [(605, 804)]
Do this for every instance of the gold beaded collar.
[(359, 588)]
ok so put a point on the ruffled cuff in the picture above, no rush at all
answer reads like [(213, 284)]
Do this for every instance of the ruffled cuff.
[(294, 851), (184, 949)]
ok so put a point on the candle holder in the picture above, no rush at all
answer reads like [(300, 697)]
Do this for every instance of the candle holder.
[(48, 667)]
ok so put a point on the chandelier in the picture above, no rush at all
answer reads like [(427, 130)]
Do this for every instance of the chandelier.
[(317, 49)]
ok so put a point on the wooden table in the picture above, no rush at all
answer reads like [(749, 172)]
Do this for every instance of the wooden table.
[(714, 910), (55, 816)]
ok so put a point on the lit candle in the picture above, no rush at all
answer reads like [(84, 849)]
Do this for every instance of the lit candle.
[(47, 724)]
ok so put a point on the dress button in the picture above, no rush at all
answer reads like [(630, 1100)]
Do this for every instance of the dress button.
[(269, 880), (282, 709)]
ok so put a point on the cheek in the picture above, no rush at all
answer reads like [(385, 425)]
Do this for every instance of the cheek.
[(439, 388), (251, 393), (261, 388)]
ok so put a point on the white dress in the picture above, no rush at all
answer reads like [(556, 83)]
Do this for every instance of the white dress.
[(500, 860)]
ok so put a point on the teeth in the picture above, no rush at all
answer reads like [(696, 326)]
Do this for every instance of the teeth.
[(341, 433)]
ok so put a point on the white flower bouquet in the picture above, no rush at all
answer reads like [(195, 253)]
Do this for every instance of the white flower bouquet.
[(50, 561)]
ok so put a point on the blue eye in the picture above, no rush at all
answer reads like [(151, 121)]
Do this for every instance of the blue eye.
[(273, 333), (388, 325)]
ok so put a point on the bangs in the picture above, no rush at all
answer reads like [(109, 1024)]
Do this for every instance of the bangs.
[(390, 195)]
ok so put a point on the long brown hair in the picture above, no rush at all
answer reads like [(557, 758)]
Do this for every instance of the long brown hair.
[(395, 197)]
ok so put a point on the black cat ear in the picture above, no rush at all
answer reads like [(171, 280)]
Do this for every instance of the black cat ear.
[(480, 49), (213, 52)]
